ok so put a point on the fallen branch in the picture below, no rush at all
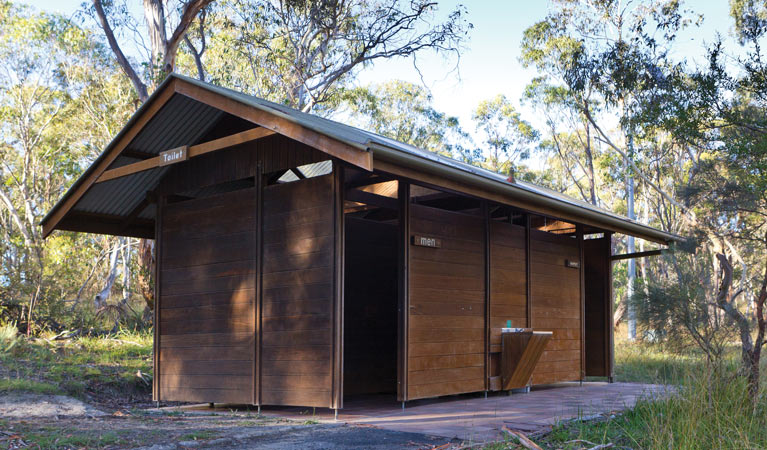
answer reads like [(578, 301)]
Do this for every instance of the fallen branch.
[(522, 438), (593, 445)]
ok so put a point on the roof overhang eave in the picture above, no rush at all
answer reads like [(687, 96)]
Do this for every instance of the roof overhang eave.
[(511, 191)]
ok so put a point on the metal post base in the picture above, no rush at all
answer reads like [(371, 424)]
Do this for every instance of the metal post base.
[(336, 415), (403, 406), (258, 410)]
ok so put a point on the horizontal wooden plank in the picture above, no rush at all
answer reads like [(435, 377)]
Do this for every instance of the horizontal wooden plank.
[(438, 389), (445, 361), (235, 396), (446, 282), (288, 262), (298, 353), (445, 334), (295, 337), (207, 271), (219, 368), (232, 324), (293, 367), (313, 275), (435, 322), (217, 353), (457, 269), (295, 308), (319, 398), (448, 309), (557, 313), (302, 292), (297, 218), (296, 323), (297, 247), (192, 381), (213, 312), (297, 232), (445, 375), (295, 382), (205, 286), (444, 348), (420, 295), (207, 340), (234, 297)]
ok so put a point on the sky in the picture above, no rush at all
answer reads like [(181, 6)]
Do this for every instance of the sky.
[(490, 63)]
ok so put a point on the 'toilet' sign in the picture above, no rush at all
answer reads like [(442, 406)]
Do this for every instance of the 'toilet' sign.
[(174, 155)]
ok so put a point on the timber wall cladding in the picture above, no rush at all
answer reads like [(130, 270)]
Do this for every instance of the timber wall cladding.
[(297, 289), (207, 285), (508, 284), (596, 255), (556, 305), (446, 349)]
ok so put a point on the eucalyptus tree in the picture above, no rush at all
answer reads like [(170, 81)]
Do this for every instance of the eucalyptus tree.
[(721, 110), (605, 54), (507, 137), (301, 52), (60, 99), (404, 111)]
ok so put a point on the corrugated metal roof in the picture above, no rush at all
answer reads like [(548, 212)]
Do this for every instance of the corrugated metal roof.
[(182, 121)]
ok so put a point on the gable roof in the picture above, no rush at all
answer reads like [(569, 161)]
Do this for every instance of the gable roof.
[(182, 109)]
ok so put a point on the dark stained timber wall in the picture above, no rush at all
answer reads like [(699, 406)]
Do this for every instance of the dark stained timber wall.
[(446, 351), (596, 266), (207, 299), (556, 305), (297, 283)]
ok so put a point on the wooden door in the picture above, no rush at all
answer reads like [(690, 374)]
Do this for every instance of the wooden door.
[(207, 299), (446, 322), (298, 293)]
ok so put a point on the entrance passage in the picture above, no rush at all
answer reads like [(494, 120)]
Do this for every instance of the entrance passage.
[(370, 305)]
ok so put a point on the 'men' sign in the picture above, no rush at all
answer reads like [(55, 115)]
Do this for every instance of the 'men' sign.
[(425, 241), (174, 155)]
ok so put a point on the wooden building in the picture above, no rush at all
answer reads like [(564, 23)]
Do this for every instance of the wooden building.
[(300, 260)]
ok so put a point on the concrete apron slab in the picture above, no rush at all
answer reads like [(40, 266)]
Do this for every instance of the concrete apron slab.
[(472, 417)]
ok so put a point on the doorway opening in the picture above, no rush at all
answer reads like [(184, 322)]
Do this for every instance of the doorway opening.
[(371, 251)]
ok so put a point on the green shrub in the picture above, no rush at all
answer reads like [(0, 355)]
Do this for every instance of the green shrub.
[(9, 337)]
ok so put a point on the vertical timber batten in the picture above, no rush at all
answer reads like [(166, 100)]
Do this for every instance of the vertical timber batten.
[(259, 182), (528, 273), (404, 289), (610, 341), (157, 272), (338, 288), (486, 215), (581, 269)]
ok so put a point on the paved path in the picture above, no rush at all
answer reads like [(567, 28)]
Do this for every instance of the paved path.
[(481, 419), (474, 418)]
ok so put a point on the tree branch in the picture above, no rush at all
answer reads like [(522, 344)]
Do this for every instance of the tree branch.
[(139, 85)]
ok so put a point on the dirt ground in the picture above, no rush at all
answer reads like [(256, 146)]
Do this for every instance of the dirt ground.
[(36, 421)]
